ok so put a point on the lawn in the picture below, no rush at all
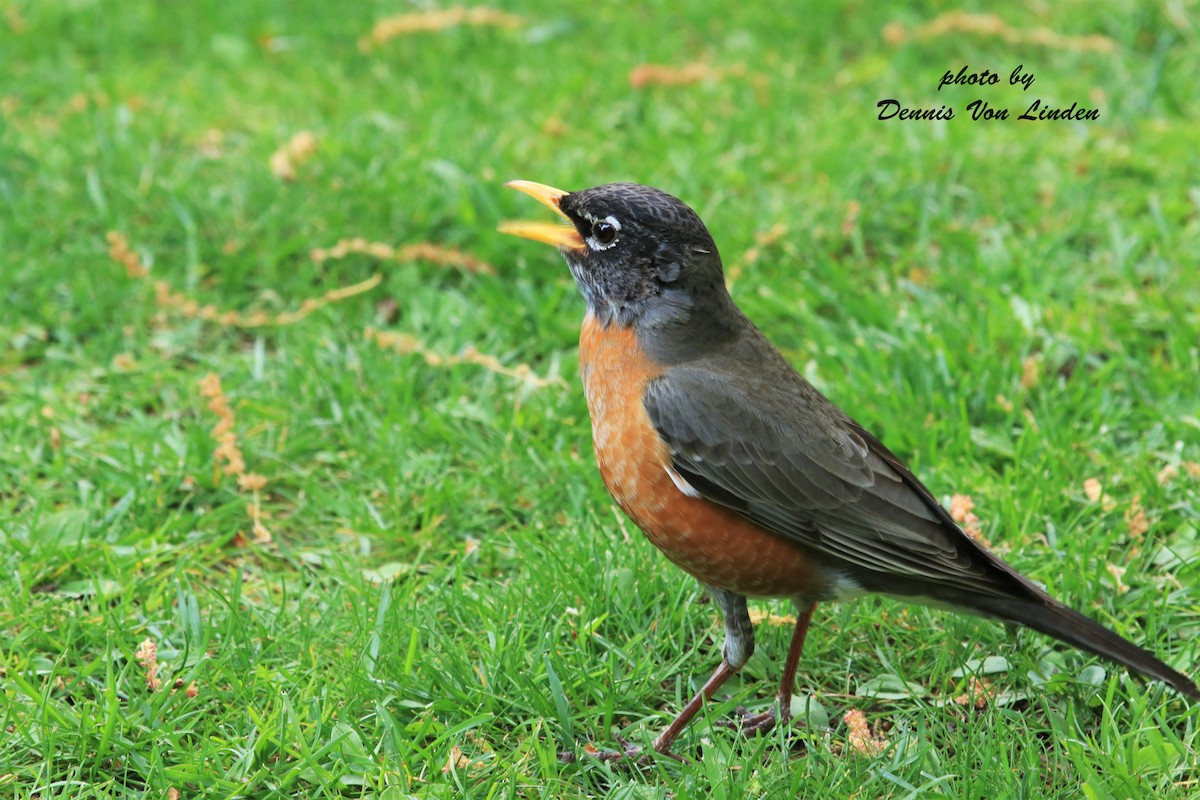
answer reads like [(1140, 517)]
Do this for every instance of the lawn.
[(296, 486)]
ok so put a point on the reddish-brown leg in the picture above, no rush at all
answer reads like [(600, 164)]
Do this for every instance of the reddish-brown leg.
[(764, 722), (739, 645), (665, 739), (787, 683)]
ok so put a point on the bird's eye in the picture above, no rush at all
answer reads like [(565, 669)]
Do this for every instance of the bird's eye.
[(604, 232)]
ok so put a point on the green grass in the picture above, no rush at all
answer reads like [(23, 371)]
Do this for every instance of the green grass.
[(447, 576)]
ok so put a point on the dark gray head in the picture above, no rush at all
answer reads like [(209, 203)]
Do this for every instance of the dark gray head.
[(641, 258), (645, 252)]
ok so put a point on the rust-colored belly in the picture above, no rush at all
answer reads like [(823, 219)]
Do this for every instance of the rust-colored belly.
[(712, 543)]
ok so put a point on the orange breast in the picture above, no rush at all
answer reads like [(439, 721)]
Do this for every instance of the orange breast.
[(707, 540)]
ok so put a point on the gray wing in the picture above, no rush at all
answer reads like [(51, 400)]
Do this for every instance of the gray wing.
[(784, 457)]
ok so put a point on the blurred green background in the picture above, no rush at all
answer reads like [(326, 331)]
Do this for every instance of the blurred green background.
[(439, 597)]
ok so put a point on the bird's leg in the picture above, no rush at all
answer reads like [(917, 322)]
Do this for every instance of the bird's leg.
[(787, 683), (663, 743), (764, 722), (739, 646), (665, 739)]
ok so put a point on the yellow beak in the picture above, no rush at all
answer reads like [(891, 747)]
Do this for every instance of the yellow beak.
[(552, 233)]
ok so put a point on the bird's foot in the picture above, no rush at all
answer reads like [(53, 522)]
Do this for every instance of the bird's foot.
[(630, 755), (754, 724), (629, 752)]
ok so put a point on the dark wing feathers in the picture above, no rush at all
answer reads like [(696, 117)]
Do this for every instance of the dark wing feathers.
[(783, 456)]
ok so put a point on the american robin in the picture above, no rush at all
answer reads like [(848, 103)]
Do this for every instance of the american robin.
[(738, 469)]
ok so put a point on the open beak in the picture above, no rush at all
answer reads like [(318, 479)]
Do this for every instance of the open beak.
[(552, 233)]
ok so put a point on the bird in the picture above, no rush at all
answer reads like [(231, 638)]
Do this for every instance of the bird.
[(739, 470)]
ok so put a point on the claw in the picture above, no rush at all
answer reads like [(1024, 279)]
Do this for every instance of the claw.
[(759, 724), (755, 724), (629, 755)]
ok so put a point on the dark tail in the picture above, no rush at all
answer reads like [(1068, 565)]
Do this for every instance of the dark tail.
[(1053, 618)]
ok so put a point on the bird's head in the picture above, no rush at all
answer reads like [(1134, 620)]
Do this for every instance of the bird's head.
[(640, 256)]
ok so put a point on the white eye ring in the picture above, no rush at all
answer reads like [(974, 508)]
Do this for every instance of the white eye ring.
[(604, 233)]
